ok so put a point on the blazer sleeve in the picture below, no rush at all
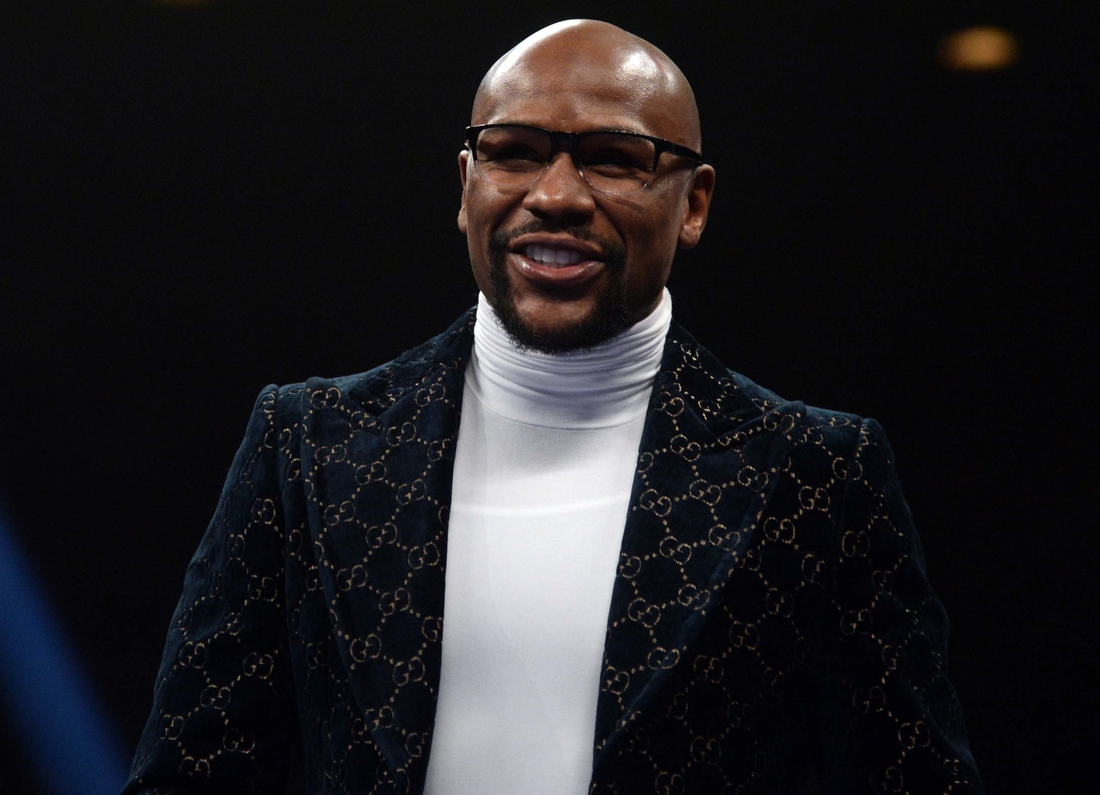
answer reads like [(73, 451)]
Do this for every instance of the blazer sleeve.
[(223, 705), (890, 721)]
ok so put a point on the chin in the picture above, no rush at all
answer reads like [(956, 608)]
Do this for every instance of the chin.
[(537, 332)]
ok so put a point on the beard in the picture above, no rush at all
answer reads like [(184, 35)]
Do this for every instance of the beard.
[(608, 319)]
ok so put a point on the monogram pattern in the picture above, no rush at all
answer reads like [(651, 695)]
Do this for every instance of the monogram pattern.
[(771, 622)]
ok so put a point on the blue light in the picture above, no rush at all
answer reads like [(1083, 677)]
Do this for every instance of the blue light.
[(66, 736)]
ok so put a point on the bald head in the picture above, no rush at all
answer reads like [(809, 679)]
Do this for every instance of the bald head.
[(588, 58)]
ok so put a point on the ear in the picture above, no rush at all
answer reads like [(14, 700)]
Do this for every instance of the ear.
[(463, 160), (696, 206)]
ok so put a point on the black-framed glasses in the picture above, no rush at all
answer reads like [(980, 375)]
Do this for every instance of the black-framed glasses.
[(514, 156)]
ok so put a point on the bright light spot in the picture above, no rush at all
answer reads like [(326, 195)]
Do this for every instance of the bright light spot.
[(981, 49)]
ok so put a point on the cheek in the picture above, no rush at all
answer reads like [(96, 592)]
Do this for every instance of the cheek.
[(655, 224), (485, 212), (651, 240), (479, 256), (480, 224)]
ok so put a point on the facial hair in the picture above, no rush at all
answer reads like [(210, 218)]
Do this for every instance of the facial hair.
[(608, 319)]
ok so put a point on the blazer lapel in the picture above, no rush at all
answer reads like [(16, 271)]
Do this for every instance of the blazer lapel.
[(377, 461), (710, 449)]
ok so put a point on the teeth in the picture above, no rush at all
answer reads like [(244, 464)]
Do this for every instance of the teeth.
[(553, 256)]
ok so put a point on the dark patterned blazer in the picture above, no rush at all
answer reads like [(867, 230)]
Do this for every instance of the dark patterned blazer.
[(771, 627)]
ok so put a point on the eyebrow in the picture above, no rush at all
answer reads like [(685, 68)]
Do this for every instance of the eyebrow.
[(632, 131)]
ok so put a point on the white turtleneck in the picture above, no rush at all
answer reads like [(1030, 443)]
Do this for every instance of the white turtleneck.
[(544, 463)]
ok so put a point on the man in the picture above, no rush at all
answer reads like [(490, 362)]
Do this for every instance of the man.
[(659, 577)]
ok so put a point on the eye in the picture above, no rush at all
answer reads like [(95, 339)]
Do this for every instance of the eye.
[(617, 155), (612, 157), (512, 148), (513, 151)]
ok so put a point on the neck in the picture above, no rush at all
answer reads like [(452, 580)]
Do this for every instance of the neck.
[(598, 387)]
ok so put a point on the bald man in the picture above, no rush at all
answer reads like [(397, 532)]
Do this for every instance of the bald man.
[(560, 548)]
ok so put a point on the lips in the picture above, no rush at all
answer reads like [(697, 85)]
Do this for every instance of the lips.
[(557, 261)]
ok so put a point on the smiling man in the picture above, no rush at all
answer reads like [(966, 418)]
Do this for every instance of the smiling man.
[(560, 548), (571, 237)]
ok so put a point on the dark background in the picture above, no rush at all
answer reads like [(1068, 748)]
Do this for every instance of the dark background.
[(199, 201)]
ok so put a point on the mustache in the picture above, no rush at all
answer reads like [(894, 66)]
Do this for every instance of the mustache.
[(611, 252)]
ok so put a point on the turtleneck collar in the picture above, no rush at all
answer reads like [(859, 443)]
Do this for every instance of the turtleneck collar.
[(600, 387)]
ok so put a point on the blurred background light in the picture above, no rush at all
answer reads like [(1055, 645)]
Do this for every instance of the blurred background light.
[(979, 49), (52, 707)]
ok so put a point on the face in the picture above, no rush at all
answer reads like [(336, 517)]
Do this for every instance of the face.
[(564, 266)]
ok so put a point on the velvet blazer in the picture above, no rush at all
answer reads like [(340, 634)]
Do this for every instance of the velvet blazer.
[(771, 627)]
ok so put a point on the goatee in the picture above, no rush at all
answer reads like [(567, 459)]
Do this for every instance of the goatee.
[(607, 320)]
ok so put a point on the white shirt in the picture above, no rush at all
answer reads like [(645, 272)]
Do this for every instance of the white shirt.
[(544, 464)]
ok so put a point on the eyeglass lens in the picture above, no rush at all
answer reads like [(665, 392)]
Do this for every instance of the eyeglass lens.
[(514, 157)]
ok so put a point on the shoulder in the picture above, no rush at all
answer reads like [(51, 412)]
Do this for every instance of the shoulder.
[(840, 434), (731, 401), (376, 389)]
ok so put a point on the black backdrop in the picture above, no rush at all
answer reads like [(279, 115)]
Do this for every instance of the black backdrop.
[(201, 200)]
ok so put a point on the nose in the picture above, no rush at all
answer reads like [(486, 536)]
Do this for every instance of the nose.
[(560, 191)]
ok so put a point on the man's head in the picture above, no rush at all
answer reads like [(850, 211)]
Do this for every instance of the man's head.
[(581, 76)]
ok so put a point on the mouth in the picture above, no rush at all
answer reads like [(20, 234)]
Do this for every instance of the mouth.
[(552, 256), (557, 262)]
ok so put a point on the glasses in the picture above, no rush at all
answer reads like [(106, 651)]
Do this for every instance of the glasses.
[(514, 156)]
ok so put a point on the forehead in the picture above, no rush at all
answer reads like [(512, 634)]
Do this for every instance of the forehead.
[(562, 88)]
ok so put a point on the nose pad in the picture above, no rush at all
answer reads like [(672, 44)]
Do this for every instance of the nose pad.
[(560, 189)]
